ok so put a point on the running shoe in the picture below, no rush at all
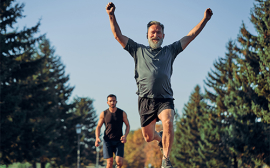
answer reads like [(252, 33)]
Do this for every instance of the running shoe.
[(166, 163)]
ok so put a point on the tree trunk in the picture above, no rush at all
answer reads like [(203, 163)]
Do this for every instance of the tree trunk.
[(42, 164), (34, 165), (43, 161), (235, 165)]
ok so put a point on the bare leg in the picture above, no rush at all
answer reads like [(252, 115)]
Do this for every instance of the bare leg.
[(166, 117), (119, 161), (149, 132), (109, 162)]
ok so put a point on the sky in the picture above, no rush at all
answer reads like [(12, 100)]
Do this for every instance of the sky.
[(98, 65)]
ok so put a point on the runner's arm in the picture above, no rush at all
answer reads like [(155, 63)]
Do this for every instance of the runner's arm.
[(110, 8), (99, 125), (125, 120), (197, 29)]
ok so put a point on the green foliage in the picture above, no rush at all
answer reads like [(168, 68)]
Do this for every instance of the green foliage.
[(219, 82), (56, 92), (37, 122), (255, 62), (198, 136), (134, 150), (241, 92), (18, 64), (249, 99), (84, 107)]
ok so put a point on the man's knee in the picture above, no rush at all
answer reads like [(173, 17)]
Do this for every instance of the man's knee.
[(110, 162), (148, 138), (148, 135), (119, 163), (149, 131)]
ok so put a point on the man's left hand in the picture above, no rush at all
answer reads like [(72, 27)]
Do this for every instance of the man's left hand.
[(123, 139), (208, 13)]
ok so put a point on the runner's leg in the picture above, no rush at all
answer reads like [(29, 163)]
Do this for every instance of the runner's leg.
[(119, 161), (119, 154), (109, 162), (166, 117), (149, 132)]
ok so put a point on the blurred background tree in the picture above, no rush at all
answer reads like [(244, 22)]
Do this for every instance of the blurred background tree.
[(37, 121)]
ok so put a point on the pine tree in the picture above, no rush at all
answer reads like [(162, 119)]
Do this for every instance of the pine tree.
[(212, 151), (217, 80), (184, 152), (84, 107), (44, 104), (18, 62), (218, 87), (61, 143), (51, 98), (245, 132), (249, 99), (37, 122), (255, 50), (198, 136)]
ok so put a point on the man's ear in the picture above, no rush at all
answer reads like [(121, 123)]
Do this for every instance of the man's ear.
[(147, 35), (163, 36)]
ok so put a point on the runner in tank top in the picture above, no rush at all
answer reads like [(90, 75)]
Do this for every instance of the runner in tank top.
[(113, 119)]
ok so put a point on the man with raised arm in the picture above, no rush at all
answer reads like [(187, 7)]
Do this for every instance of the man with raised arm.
[(153, 70), (113, 119)]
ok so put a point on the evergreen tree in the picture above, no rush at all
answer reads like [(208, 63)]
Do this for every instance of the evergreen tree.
[(217, 80), (245, 131), (18, 62), (184, 152), (249, 98), (50, 98), (44, 106), (84, 107), (198, 136), (37, 123), (218, 87), (255, 51)]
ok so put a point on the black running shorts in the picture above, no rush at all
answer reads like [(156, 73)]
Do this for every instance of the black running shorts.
[(110, 147), (150, 108)]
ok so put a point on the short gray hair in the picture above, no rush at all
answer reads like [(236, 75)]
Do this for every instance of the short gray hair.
[(155, 23)]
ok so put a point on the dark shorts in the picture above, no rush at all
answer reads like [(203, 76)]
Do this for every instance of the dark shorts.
[(150, 108), (110, 147)]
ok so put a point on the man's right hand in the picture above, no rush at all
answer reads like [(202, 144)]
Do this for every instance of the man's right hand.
[(97, 142), (110, 8)]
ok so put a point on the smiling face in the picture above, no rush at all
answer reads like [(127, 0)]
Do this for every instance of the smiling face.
[(155, 36)]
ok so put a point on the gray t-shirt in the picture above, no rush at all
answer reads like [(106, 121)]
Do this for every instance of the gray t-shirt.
[(153, 68)]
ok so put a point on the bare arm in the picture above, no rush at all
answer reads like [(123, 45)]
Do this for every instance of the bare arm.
[(110, 8), (197, 29), (99, 125), (125, 120)]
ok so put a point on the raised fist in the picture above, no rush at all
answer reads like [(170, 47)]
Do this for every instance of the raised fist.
[(208, 13), (110, 8)]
